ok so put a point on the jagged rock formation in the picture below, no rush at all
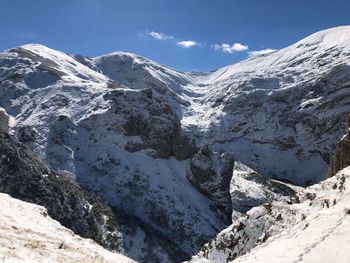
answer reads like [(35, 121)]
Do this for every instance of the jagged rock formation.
[(159, 129), (341, 156), (4, 121), (211, 172)]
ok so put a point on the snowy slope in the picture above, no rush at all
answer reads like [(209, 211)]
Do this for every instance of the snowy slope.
[(28, 234), (249, 189), (314, 230)]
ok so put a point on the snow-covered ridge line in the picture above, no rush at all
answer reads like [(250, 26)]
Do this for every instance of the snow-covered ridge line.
[(65, 65)]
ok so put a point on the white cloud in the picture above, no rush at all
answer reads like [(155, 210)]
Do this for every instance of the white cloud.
[(160, 36), (261, 52), (187, 43), (164, 37), (227, 48)]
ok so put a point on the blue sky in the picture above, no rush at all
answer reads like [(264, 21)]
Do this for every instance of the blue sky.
[(186, 34)]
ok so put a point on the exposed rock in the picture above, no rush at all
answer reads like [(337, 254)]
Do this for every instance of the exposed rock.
[(211, 172), (341, 156), (4, 121), (26, 134), (183, 147), (154, 121)]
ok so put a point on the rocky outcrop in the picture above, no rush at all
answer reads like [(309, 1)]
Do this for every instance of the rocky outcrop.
[(4, 121), (211, 172), (153, 119), (341, 156)]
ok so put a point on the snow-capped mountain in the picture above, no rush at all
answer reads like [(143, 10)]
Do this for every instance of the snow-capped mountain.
[(159, 145)]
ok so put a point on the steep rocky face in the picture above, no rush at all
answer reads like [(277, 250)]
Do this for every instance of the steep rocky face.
[(211, 172), (341, 156), (4, 121), (154, 121)]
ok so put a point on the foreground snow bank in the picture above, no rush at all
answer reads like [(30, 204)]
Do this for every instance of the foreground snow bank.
[(324, 235), (28, 234)]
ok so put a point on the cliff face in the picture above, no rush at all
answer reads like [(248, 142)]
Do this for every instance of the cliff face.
[(341, 157)]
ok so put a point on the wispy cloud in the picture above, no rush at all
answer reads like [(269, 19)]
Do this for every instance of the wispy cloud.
[(261, 52), (159, 35), (187, 43), (227, 48)]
